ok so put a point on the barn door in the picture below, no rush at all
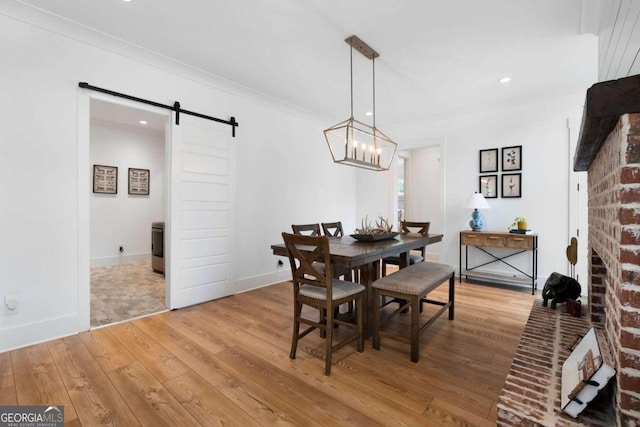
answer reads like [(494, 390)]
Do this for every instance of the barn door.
[(201, 206)]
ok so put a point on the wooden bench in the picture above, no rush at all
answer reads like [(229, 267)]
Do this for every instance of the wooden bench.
[(411, 285)]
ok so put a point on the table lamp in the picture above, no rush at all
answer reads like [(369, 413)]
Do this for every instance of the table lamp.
[(476, 201)]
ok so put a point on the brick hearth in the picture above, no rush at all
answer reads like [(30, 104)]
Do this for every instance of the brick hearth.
[(531, 394)]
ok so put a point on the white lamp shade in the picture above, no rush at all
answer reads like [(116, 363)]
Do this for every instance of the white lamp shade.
[(477, 201)]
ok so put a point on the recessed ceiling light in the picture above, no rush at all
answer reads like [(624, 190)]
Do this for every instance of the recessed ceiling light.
[(505, 80), (368, 113), (127, 1), (142, 122)]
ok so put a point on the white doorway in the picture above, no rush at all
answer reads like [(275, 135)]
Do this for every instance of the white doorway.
[(127, 146), (423, 190), (401, 178), (199, 202), (113, 230)]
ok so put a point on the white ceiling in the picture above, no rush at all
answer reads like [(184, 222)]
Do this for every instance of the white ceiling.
[(436, 57), (117, 113)]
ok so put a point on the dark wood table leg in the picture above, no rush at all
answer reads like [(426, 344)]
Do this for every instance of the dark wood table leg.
[(369, 273), (404, 262)]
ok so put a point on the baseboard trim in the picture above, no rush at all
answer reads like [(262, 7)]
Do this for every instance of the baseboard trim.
[(119, 260), (38, 332), (251, 283)]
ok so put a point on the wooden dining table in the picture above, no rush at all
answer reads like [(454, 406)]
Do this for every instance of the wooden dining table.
[(348, 252)]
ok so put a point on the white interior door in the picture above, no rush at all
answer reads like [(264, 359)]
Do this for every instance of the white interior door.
[(201, 206), (578, 208)]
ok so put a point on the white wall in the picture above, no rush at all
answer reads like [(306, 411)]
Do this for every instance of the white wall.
[(284, 172), (541, 128), (122, 219), (375, 195)]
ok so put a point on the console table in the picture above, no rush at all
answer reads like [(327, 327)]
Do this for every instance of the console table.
[(517, 243)]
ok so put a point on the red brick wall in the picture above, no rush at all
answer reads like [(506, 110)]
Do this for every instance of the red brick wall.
[(614, 243), (598, 289)]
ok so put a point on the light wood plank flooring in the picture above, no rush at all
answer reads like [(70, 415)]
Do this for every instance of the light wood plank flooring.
[(226, 362)]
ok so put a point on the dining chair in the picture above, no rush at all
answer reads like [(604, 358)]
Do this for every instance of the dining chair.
[(306, 229), (318, 289), (314, 230), (333, 229), (408, 227)]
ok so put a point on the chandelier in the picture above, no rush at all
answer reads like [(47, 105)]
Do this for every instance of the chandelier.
[(353, 142)]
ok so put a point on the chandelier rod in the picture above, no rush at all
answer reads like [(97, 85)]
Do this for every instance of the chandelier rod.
[(351, 75), (373, 65)]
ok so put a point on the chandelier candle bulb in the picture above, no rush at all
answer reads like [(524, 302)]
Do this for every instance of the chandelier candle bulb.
[(355, 149)]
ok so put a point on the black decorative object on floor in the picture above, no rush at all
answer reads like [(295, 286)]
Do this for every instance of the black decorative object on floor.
[(559, 288)]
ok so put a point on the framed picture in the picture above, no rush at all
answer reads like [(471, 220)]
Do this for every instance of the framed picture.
[(511, 185), (512, 158), (105, 179), (489, 160), (489, 186), (139, 181)]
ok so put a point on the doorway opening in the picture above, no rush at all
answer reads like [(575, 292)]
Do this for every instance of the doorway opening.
[(401, 178), (420, 190), (125, 211)]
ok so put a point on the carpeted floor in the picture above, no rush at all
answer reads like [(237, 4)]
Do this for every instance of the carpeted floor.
[(123, 292)]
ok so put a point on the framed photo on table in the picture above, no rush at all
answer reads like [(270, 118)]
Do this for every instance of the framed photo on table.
[(489, 160), (511, 185), (489, 186), (105, 179), (512, 158), (584, 373), (139, 181)]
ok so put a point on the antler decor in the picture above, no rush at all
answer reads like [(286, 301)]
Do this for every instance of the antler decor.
[(382, 226)]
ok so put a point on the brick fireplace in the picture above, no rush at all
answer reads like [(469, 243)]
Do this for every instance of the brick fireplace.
[(609, 150), (614, 248)]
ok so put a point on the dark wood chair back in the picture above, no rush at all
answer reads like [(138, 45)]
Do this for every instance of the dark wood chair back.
[(306, 229), (332, 229), (415, 227), (408, 227), (303, 252)]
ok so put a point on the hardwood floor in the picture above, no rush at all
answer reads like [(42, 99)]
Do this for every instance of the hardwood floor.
[(226, 362)]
